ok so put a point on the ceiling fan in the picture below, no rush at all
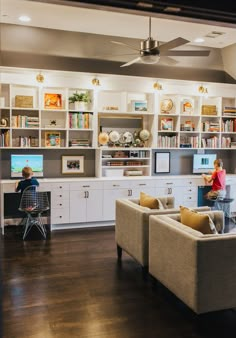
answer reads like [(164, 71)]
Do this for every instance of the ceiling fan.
[(150, 51)]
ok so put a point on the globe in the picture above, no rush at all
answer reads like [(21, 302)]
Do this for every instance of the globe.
[(144, 135), (103, 138)]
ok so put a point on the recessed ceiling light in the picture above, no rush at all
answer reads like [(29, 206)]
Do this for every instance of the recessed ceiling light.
[(24, 18), (199, 40)]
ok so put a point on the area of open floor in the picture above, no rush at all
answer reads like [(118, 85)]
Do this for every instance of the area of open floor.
[(72, 286)]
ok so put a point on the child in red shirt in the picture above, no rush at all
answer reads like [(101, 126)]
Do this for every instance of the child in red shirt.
[(218, 181)]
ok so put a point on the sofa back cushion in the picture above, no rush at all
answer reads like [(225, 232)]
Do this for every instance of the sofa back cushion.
[(195, 220), (150, 201)]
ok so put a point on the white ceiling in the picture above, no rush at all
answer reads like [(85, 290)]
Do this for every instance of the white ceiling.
[(112, 23)]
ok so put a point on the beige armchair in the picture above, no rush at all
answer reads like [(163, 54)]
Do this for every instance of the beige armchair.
[(132, 226), (199, 269)]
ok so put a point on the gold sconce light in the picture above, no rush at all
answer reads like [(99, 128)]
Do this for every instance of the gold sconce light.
[(40, 77), (202, 89), (95, 82), (157, 86)]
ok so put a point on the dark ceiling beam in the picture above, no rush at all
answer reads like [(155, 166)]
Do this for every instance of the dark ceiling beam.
[(222, 12)]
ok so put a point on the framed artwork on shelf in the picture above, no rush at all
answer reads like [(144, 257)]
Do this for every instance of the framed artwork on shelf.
[(139, 106), (167, 123), (52, 139), (162, 162), (52, 101), (72, 164)]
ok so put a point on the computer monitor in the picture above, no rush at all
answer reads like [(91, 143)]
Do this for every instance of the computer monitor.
[(203, 163), (18, 162)]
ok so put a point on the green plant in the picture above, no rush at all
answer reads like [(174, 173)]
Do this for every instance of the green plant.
[(79, 97)]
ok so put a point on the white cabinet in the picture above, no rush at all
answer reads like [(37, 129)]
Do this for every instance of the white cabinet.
[(123, 189), (184, 191), (86, 202), (112, 191), (59, 203)]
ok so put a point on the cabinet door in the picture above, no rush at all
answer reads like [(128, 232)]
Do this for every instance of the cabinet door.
[(94, 202), (78, 206), (109, 202)]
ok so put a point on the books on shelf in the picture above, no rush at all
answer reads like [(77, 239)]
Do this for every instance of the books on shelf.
[(211, 142), (80, 120), (23, 121), (27, 141), (4, 138)]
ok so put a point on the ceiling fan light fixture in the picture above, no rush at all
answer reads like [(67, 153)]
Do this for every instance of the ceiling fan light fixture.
[(150, 59)]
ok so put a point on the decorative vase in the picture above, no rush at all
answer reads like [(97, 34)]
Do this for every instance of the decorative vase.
[(80, 105)]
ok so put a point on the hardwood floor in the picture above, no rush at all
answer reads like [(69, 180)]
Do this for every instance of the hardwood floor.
[(72, 286)]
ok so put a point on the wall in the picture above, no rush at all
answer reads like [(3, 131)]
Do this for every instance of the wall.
[(181, 161), (52, 161)]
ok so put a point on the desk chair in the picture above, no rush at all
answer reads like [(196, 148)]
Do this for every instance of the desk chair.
[(223, 204), (33, 203)]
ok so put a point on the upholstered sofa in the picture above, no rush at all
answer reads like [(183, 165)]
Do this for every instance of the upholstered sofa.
[(131, 227), (199, 269)]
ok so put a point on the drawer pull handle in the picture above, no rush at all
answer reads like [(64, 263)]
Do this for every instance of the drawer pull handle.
[(116, 185), (142, 184), (169, 182), (60, 195), (60, 216), (60, 187), (86, 186), (60, 204)]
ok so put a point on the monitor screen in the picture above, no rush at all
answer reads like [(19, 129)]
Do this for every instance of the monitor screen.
[(18, 162), (203, 163)]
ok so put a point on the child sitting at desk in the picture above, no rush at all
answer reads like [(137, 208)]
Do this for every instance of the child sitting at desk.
[(217, 178), (28, 180)]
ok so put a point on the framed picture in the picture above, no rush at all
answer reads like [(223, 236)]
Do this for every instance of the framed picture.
[(72, 164), (52, 101), (139, 106), (52, 139), (162, 162)]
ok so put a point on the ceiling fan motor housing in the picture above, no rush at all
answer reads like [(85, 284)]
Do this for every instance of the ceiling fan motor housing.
[(149, 47)]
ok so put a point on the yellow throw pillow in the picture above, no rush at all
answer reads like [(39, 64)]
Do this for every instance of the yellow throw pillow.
[(195, 220), (148, 201)]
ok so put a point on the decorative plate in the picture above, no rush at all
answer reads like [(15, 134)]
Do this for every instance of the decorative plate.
[(166, 105)]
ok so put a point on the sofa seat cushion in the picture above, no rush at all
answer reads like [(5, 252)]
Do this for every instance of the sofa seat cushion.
[(150, 201), (197, 221)]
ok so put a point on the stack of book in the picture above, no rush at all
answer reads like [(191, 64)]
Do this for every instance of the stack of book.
[(79, 143), (229, 111)]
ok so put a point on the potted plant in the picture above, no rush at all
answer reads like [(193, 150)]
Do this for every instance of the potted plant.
[(80, 100)]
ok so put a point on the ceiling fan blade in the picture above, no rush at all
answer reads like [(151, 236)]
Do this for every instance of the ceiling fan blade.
[(112, 55), (168, 61), (186, 53), (172, 44), (124, 44), (131, 62)]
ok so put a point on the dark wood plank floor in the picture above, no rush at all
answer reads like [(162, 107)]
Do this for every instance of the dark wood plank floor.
[(71, 286)]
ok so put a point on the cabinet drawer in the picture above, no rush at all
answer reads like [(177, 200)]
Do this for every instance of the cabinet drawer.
[(60, 186), (86, 185), (116, 184), (142, 184), (190, 198), (59, 216), (60, 195), (59, 204)]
